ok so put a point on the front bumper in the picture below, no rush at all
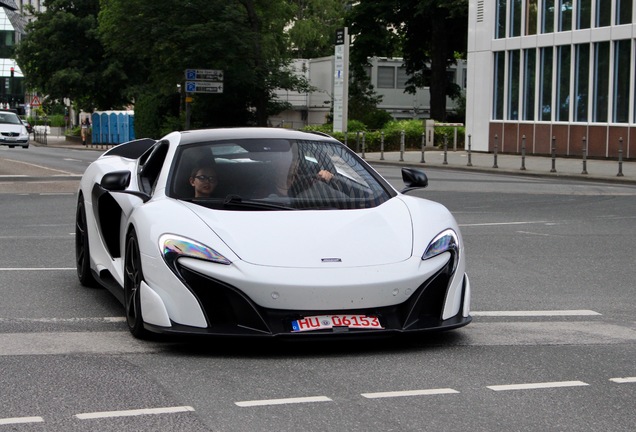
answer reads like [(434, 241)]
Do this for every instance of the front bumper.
[(228, 312)]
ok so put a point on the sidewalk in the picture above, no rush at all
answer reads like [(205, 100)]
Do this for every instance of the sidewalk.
[(595, 169)]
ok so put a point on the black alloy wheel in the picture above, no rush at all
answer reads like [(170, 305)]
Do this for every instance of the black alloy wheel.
[(82, 252), (133, 276)]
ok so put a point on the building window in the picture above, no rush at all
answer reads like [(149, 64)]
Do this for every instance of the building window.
[(581, 81), (547, 13), (402, 78), (513, 85), (531, 17), (565, 15), (622, 61), (583, 14), (563, 83), (623, 11), (386, 77), (515, 18), (500, 19), (545, 89), (498, 96), (7, 44), (530, 64), (603, 12), (601, 81)]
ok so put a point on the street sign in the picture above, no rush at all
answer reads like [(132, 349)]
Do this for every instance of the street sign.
[(203, 87), (35, 102), (204, 75)]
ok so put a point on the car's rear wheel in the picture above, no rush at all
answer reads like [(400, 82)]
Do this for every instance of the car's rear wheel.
[(82, 252), (133, 276)]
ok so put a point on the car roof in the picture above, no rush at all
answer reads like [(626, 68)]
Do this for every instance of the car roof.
[(200, 135)]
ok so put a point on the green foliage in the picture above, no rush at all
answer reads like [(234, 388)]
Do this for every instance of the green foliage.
[(389, 138), (151, 112), (244, 38), (314, 26), (62, 56)]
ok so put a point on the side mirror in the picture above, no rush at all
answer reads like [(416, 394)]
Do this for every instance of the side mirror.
[(413, 179), (118, 181)]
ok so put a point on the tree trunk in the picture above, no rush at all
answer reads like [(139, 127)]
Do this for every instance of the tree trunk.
[(438, 65)]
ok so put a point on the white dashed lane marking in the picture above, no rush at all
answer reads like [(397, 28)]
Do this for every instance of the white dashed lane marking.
[(541, 385), (285, 401), (136, 412), (428, 392)]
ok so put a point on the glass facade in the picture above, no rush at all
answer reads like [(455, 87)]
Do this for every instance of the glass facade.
[(564, 82)]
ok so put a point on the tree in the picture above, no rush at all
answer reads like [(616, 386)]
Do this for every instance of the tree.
[(314, 26), (62, 57), (426, 33), (244, 38)]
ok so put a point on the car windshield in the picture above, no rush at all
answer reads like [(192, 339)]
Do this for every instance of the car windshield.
[(275, 174), (9, 118)]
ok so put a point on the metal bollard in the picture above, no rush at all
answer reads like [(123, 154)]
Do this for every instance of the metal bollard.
[(402, 146), (553, 154), (469, 144), (445, 150), (382, 145), (584, 152), (358, 142), (423, 145), (523, 153), (363, 144), (494, 165), (620, 157)]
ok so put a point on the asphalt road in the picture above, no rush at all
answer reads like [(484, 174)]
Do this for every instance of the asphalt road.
[(551, 347)]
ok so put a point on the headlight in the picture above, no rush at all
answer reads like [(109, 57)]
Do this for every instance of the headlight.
[(174, 247), (446, 241)]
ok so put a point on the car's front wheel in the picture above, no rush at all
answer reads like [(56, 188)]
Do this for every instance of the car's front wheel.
[(82, 252), (133, 276)]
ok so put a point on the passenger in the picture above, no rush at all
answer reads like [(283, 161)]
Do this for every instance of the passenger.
[(204, 180)]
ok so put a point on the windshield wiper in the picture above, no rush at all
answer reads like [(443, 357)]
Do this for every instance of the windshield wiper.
[(238, 201)]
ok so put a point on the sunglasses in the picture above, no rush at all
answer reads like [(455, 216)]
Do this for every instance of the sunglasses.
[(211, 179)]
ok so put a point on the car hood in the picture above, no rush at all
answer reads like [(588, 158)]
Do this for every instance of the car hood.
[(7, 127), (315, 238)]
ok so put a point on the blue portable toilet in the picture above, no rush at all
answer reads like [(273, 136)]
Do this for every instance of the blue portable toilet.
[(95, 128), (113, 133), (103, 131)]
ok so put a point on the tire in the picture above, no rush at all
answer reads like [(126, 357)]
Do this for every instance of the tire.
[(82, 251), (133, 276)]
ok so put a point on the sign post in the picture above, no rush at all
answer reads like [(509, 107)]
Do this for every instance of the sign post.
[(201, 81), (341, 81)]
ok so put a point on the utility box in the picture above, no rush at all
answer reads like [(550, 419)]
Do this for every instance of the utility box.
[(430, 132)]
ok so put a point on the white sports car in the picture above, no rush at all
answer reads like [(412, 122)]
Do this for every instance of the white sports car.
[(266, 232)]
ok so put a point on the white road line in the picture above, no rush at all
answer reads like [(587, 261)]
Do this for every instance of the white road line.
[(137, 412), (624, 380), (16, 420), (530, 313), (265, 402), (36, 268), (62, 172), (107, 319), (503, 223), (409, 393), (537, 385)]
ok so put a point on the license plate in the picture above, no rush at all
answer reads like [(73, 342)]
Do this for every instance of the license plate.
[(322, 322)]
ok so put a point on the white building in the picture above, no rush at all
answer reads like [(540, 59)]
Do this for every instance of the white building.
[(557, 75), (388, 78)]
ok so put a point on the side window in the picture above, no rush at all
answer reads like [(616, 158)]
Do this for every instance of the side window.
[(151, 165)]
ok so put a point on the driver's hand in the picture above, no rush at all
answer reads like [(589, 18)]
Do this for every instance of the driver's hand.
[(325, 175)]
